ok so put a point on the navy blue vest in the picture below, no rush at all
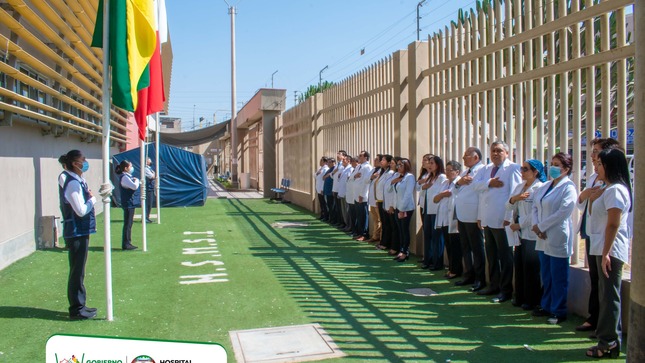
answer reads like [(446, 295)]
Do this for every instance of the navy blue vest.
[(73, 225), (127, 195)]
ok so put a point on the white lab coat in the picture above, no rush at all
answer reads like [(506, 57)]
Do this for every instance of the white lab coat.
[(492, 201), (524, 209), (405, 193), (363, 183), (446, 208), (552, 214), (430, 194), (467, 198), (389, 193)]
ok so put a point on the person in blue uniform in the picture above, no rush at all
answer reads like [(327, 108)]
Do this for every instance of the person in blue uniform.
[(129, 184), (77, 207), (150, 188)]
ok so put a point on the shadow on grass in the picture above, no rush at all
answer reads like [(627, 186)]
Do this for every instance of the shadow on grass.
[(23, 312), (358, 294)]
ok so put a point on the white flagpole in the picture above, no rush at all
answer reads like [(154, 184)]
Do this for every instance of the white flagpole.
[(142, 149), (157, 174), (107, 245)]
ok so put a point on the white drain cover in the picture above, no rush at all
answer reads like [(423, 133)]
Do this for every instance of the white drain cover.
[(298, 343), (421, 292)]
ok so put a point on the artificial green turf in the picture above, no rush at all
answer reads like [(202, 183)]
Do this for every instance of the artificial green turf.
[(276, 277)]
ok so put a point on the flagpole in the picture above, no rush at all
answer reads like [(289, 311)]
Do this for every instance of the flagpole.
[(142, 152), (107, 244), (157, 174)]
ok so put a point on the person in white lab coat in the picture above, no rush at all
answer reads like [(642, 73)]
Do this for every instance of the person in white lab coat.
[(495, 184), (404, 206), (552, 223), (528, 288), (446, 220), (466, 210)]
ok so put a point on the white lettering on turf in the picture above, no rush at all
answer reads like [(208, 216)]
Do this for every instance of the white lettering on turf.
[(210, 249)]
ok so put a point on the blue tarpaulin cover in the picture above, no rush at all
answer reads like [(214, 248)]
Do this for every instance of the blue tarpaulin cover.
[(183, 176)]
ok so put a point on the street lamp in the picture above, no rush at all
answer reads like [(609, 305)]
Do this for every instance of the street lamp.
[(320, 77), (272, 77)]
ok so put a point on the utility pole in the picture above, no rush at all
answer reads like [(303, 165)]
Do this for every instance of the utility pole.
[(320, 77), (420, 4), (194, 117), (272, 78), (295, 98), (231, 11)]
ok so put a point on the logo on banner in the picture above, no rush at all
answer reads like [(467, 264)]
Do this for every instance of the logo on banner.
[(143, 359), (73, 359)]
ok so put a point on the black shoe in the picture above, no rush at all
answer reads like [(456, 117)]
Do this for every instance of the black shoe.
[(501, 298), (585, 327), (478, 286), (425, 266), (129, 247), (464, 282), (538, 311), (436, 268), (83, 315), (89, 310), (527, 307), (488, 291), (516, 303), (148, 221)]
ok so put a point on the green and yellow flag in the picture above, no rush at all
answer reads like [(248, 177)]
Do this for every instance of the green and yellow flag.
[(132, 42)]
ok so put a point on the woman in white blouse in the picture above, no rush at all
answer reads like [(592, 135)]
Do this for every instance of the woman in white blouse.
[(379, 189), (389, 204), (553, 204), (528, 289), (432, 237), (447, 222), (404, 206), (607, 215)]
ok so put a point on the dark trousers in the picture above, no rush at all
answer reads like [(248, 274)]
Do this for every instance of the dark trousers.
[(395, 237), (77, 256), (128, 219), (323, 206), (608, 328), (432, 242), (528, 287), (554, 272), (593, 294), (352, 217), (338, 214), (361, 219), (150, 196), (472, 246), (500, 260), (330, 202), (404, 230), (453, 249)]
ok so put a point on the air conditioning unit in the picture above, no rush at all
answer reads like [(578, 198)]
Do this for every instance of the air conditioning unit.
[(48, 232)]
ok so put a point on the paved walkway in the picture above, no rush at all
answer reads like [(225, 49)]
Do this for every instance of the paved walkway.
[(218, 191)]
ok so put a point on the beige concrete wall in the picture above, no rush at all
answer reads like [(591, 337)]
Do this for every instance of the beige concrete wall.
[(29, 162)]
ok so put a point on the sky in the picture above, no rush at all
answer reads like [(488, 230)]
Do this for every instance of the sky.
[(296, 38)]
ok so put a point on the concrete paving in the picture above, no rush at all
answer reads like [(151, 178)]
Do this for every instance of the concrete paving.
[(297, 343), (218, 191)]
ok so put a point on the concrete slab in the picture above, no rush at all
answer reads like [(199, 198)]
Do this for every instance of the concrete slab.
[(424, 291), (297, 343)]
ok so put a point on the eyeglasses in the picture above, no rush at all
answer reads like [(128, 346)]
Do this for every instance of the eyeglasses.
[(399, 164)]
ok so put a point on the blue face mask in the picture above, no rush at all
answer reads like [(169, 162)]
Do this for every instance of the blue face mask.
[(554, 172), (85, 167)]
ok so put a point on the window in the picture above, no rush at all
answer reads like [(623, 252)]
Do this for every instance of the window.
[(31, 91)]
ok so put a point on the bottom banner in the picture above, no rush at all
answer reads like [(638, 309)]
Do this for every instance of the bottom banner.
[(80, 349)]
